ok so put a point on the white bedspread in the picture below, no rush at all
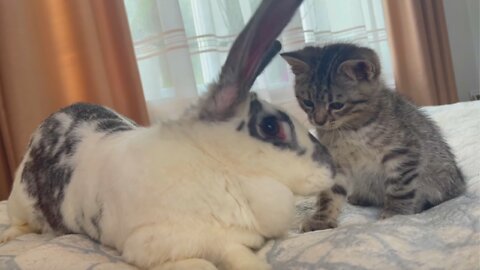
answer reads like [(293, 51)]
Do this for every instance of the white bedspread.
[(444, 237)]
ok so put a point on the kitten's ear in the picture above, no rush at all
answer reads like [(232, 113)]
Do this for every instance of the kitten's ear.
[(297, 64), (359, 70)]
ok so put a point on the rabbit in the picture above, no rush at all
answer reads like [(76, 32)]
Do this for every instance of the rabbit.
[(197, 193)]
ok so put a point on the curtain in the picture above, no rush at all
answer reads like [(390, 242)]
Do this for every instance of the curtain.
[(421, 51), (180, 45), (54, 53), (7, 163)]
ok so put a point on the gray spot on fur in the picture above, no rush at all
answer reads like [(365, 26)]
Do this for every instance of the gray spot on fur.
[(49, 165), (97, 218)]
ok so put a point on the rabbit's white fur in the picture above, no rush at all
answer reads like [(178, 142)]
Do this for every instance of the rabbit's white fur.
[(193, 194), (178, 191)]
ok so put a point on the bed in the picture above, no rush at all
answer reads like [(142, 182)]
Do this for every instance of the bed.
[(444, 237)]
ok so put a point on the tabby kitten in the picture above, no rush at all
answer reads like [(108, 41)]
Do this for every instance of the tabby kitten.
[(389, 153)]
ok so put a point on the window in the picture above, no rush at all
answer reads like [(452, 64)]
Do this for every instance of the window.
[(180, 45)]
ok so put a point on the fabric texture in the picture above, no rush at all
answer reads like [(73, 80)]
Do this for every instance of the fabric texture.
[(54, 53), (444, 237)]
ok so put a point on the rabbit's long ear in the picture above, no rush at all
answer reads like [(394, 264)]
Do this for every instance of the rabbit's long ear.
[(253, 49), (267, 58)]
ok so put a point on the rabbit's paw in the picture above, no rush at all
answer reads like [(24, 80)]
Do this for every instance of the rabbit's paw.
[(13, 232), (188, 264), (239, 257)]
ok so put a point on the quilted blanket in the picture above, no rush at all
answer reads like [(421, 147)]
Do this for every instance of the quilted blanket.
[(444, 237)]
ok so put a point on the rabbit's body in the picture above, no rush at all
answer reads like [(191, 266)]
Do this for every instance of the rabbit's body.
[(189, 194), (173, 191)]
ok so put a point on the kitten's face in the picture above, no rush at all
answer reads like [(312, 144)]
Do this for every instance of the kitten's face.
[(335, 84)]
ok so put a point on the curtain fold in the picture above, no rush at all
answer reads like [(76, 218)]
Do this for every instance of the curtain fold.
[(7, 162), (54, 53), (420, 49)]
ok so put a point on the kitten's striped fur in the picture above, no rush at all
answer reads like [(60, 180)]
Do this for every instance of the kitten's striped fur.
[(389, 153)]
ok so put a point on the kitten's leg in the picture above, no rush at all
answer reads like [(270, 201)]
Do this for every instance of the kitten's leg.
[(356, 199), (329, 204), (400, 185)]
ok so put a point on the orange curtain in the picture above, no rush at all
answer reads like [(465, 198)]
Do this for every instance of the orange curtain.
[(420, 49), (54, 53)]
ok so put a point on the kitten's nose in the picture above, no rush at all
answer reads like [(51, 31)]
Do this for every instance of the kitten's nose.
[(320, 118)]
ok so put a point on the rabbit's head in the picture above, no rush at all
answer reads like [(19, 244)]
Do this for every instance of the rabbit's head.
[(228, 99)]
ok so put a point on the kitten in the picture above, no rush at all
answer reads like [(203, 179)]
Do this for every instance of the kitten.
[(389, 153)]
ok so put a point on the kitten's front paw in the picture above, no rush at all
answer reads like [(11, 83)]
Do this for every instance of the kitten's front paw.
[(387, 213), (311, 225), (359, 201)]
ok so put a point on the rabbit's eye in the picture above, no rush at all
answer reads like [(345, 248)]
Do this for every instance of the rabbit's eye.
[(270, 126)]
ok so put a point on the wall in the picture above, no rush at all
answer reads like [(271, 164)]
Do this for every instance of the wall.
[(463, 30)]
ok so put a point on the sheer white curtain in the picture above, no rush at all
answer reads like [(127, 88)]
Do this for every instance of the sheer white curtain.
[(180, 45)]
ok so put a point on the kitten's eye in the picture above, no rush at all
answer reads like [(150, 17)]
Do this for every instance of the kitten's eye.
[(270, 126), (308, 103), (335, 106)]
